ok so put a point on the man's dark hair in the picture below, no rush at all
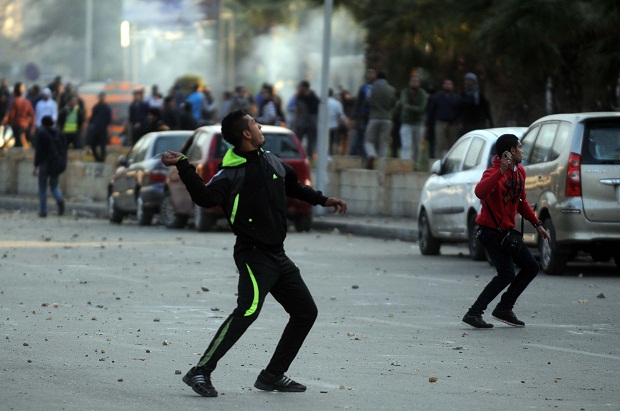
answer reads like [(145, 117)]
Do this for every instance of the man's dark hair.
[(233, 126), (505, 142), (305, 84)]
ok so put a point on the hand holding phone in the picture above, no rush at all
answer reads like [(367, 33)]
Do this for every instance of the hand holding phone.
[(505, 162)]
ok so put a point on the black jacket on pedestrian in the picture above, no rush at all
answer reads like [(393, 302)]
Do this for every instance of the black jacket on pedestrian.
[(252, 188)]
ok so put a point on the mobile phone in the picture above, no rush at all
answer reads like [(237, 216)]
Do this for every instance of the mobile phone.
[(507, 154)]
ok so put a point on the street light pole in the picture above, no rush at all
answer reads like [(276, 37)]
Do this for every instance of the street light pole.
[(88, 41), (125, 42), (323, 126)]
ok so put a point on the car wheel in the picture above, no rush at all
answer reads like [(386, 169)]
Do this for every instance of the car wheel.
[(477, 252), (202, 220), (303, 223), (167, 215), (429, 245), (143, 215), (551, 261), (114, 214)]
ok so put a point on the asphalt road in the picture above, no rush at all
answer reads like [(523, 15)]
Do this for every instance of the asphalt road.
[(95, 316)]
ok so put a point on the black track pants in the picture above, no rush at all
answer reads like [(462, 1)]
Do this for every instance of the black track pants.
[(262, 272)]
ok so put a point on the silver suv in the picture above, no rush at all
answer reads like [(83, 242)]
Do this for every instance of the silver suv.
[(573, 185)]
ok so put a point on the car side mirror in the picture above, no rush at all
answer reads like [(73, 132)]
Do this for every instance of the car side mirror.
[(436, 167), (122, 161)]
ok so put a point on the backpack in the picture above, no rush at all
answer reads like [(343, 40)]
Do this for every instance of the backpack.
[(57, 153)]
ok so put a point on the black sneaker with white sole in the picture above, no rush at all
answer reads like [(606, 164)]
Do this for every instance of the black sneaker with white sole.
[(507, 317), (200, 382), (269, 382), (476, 321)]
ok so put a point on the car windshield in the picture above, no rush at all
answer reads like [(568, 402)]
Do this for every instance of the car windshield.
[(170, 142), (282, 145), (602, 144)]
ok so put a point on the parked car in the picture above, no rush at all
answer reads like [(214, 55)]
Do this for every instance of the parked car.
[(573, 184), (138, 183), (448, 206), (205, 149)]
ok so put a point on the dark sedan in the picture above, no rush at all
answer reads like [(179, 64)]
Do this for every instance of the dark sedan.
[(137, 186)]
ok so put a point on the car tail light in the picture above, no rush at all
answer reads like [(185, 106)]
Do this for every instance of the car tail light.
[(573, 176), (157, 177)]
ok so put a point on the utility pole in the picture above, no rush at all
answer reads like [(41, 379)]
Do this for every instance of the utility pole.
[(323, 126), (88, 41)]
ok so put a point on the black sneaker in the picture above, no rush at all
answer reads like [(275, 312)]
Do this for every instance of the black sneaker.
[(508, 317), (270, 382), (200, 383), (61, 207), (476, 321)]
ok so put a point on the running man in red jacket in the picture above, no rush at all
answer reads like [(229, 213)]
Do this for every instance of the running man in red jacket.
[(502, 191)]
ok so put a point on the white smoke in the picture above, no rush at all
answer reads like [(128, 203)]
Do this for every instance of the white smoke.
[(287, 55)]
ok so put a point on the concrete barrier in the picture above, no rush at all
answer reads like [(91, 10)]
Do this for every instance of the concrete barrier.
[(392, 189)]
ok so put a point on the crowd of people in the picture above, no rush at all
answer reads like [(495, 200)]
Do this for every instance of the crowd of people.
[(413, 123), (23, 110)]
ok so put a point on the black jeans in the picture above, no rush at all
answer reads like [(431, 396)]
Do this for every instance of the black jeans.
[(262, 272), (504, 264)]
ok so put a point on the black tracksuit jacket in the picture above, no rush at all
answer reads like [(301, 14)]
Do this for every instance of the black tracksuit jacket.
[(252, 188)]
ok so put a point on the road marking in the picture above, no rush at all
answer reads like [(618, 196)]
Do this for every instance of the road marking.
[(593, 354)]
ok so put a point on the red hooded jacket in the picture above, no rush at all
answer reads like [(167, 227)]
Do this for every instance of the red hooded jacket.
[(505, 195)]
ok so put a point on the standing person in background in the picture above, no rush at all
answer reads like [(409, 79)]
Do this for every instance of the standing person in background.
[(252, 188), (70, 91), (347, 131), (209, 109), (155, 100), (154, 121), (267, 109), (169, 113), (138, 110), (395, 129), (413, 100), (50, 160), (45, 107), (381, 101), (502, 191), (186, 118), (70, 120), (306, 116), (361, 116), (197, 100), (178, 96), (100, 120), (290, 111), (225, 106), (475, 108), (336, 117), (20, 117), (5, 100), (242, 100), (56, 88), (429, 135), (445, 109), (34, 95)]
